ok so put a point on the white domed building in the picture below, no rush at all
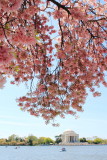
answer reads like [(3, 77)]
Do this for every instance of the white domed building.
[(69, 137)]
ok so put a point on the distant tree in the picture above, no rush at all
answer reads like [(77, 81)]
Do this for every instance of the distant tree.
[(97, 141), (58, 139), (31, 140), (83, 139), (13, 137), (104, 141), (48, 141), (42, 140), (2, 141), (22, 139), (90, 141), (13, 143)]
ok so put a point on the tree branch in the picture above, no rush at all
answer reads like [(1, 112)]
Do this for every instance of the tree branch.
[(59, 5)]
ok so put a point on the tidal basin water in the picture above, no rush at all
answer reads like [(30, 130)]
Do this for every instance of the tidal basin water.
[(98, 152)]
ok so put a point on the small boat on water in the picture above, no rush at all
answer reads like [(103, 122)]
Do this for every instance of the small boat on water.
[(63, 150), (17, 147)]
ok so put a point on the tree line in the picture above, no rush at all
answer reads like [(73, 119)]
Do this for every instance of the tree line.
[(30, 140), (95, 140)]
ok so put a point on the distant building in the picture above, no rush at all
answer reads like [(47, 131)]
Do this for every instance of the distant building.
[(69, 137)]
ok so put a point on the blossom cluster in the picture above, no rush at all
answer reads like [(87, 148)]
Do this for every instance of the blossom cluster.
[(61, 62)]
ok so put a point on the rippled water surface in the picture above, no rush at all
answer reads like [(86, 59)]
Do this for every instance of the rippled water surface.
[(53, 153)]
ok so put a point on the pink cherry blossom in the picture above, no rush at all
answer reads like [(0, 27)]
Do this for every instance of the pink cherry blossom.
[(58, 49)]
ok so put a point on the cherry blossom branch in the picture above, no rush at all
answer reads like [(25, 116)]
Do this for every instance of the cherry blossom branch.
[(59, 5)]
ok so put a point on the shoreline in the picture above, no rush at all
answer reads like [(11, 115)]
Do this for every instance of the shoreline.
[(80, 144), (72, 144)]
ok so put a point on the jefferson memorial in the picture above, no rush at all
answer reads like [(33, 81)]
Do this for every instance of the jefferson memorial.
[(69, 137)]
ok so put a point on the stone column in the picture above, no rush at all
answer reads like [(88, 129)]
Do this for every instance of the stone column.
[(69, 139), (65, 139), (75, 139)]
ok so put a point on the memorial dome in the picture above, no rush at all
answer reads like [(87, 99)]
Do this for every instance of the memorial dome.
[(69, 132)]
